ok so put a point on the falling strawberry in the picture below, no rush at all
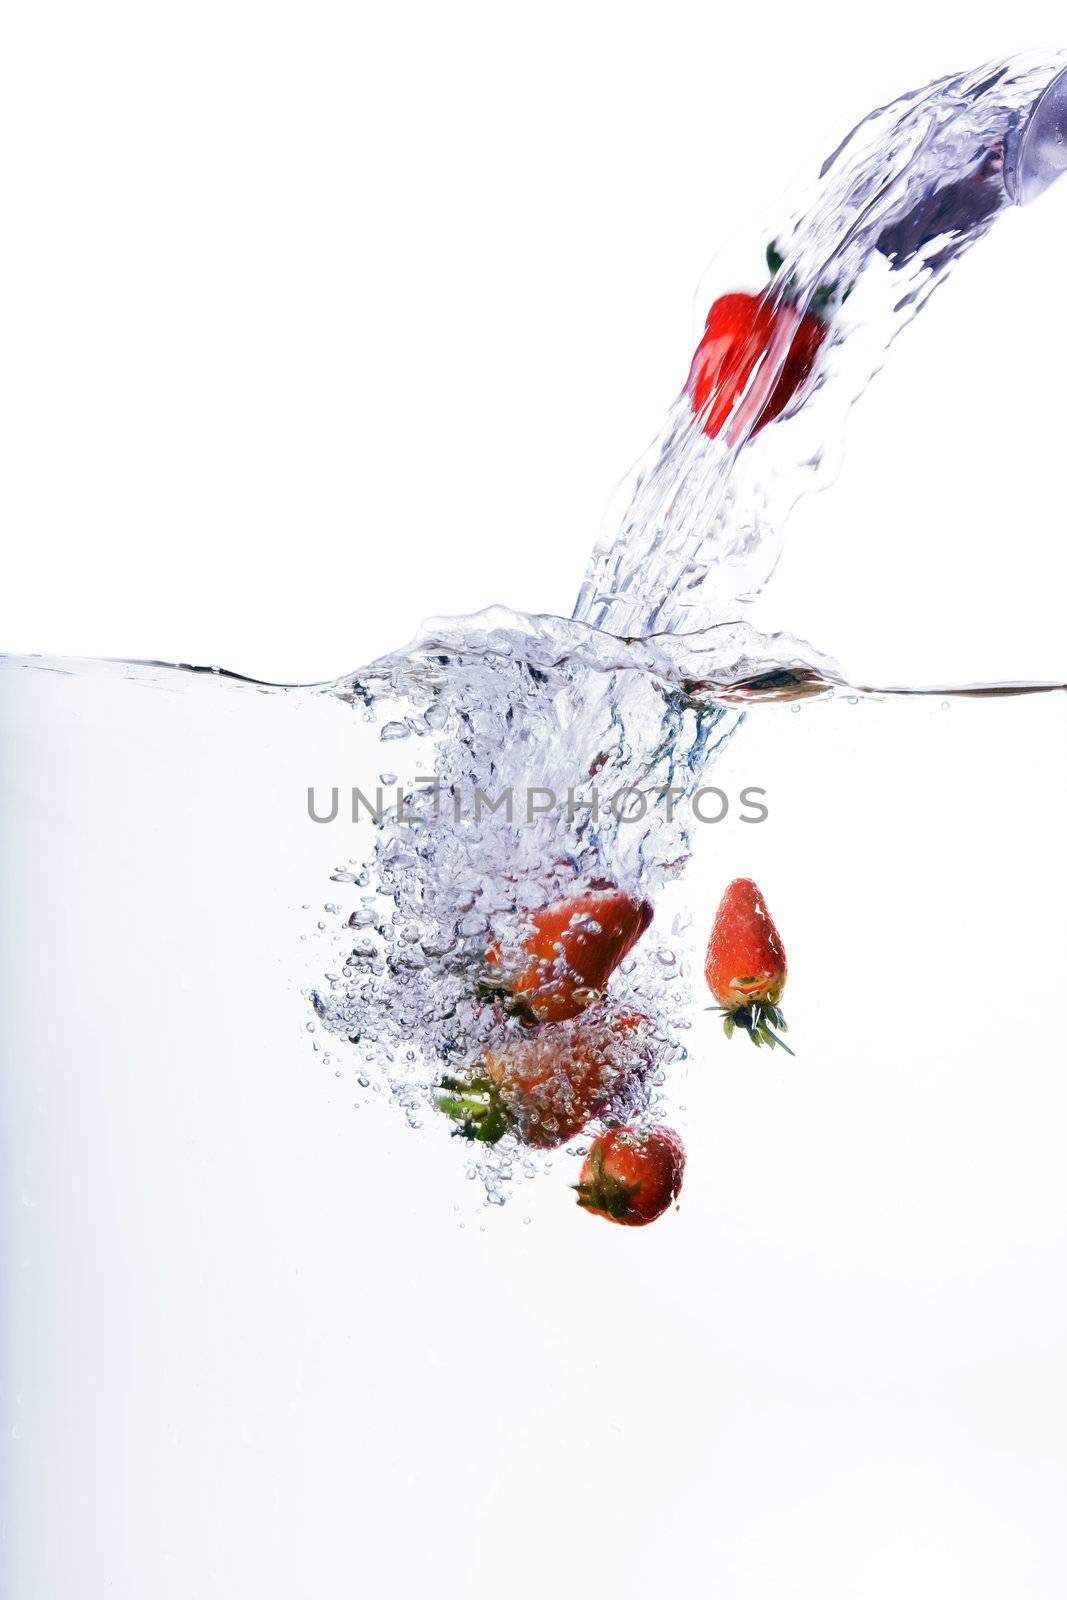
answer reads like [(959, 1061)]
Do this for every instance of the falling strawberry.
[(564, 955), (632, 1175), (545, 1087), (756, 354), (746, 966)]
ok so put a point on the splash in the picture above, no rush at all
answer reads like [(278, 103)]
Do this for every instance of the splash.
[(610, 721), (697, 530), (527, 761)]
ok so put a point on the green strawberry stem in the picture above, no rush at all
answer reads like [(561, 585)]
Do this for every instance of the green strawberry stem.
[(775, 259), (759, 1021), (495, 991), (473, 1103), (603, 1191), (823, 297)]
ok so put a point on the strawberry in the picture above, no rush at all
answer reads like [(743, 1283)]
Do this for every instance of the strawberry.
[(565, 955), (544, 1088), (632, 1175), (745, 965), (731, 380)]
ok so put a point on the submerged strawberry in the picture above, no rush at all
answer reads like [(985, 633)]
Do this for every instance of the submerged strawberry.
[(745, 966), (632, 1175), (735, 375), (546, 1087), (565, 955)]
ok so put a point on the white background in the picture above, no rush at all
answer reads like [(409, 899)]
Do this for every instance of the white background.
[(315, 322), (319, 320)]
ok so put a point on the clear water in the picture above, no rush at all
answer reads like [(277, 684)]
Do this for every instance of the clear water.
[(263, 1299), (262, 1336)]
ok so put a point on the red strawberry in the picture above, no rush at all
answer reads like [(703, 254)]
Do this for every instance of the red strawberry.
[(746, 966), (545, 1087), (632, 1175), (565, 954), (733, 376)]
